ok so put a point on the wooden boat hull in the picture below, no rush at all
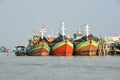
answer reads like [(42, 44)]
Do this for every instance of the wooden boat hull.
[(86, 48), (20, 53), (63, 48), (41, 49), (39, 52)]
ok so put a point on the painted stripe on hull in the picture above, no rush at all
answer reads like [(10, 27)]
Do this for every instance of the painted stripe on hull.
[(86, 43), (66, 49), (40, 49), (40, 45), (84, 48), (59, 44), (39, 52)]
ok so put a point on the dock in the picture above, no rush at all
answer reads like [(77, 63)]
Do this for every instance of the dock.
[(101, 48)]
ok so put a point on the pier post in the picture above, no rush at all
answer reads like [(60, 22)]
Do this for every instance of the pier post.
[(101, 48)]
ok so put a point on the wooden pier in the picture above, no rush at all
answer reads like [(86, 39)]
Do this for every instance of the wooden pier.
[(101, 48)]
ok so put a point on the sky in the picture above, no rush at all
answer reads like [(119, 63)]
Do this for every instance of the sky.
[(19, 19)]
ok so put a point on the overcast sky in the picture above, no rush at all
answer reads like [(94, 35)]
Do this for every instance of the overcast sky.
[(18, 18)]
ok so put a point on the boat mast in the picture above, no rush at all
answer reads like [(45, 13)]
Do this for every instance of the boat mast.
[(63, 30), (87, 30), (80, 30), (52, 32), (42, 31)]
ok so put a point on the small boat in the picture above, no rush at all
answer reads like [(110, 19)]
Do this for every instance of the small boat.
[(62, 46), (20, 51), (39, 45), (117, 44), (86, 45), (3, 49)]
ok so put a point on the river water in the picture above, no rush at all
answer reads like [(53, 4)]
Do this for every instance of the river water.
[(59, 68)]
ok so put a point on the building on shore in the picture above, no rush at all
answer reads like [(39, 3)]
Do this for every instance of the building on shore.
[(112, 38), (110, 42)]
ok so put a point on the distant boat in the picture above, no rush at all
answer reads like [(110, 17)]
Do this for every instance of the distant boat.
[(20, 51), (62, 45), (86, 45), (3, 49), (39, 45), (117, 44)]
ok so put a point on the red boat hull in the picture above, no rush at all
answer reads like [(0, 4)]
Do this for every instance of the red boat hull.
[(64, 50)]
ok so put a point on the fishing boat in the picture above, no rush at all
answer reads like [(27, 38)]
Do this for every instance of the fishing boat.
[(20, 51), (39, 45), (62, 45), (87, 44)]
